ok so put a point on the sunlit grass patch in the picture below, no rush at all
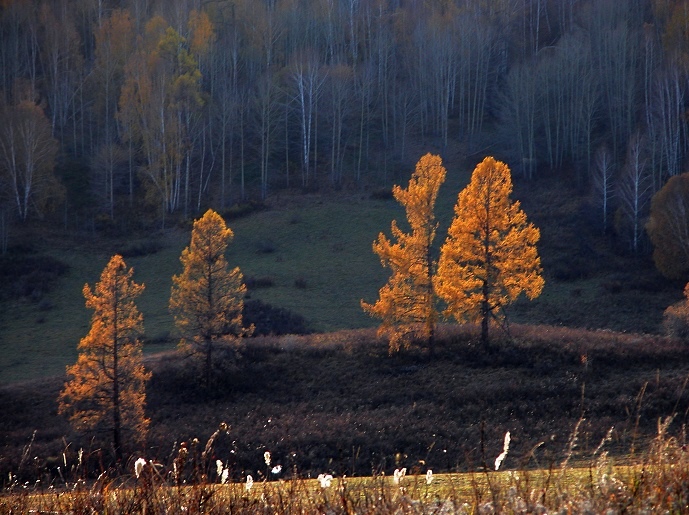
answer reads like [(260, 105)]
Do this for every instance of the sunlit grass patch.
[(524, 491)]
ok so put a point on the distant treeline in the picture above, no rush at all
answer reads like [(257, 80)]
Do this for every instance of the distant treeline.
[(173, 106)]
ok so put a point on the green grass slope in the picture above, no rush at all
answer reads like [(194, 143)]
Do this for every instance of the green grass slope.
[(316, 252)]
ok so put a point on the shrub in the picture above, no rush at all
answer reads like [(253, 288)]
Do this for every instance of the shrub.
[(254, 283), (242, 209), (613, 286), (382, 194), (141, 248), (572, 269), (676, 318), (300, 283), (31, 277), (266, 247), (268, 319)]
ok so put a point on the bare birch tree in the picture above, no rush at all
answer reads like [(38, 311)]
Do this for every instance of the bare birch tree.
[(634, 192), (602, 183), (307, 81)]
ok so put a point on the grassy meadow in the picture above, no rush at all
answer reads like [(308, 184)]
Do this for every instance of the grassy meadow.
[(315, 251), (317, 257)]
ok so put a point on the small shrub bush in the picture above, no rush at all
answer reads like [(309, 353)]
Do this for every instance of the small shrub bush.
[(254, 283), (142, 248), (242, 209), (268, 319), (29, 276), (382, 194), (676, 318), (300, 283), (572, 269), (266, 247), (613, 286)]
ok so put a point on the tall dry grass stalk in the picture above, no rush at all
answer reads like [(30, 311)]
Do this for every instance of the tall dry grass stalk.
[(658, 481)]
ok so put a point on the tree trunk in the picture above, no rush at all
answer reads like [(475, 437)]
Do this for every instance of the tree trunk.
[(209, 350), (116, 419), (430, 312), (485, 314)]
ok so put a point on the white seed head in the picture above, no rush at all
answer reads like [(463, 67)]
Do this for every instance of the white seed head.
[(399, 475), (139, 466), (325, 480), (505, 450)]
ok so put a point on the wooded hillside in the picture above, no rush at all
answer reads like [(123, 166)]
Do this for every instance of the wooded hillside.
[(176, 106)]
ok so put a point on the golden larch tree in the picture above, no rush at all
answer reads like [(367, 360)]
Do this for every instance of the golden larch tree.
[(107, 389), (207, 297), (489, 257), (407, 303)]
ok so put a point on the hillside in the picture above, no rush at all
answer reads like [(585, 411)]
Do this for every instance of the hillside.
[(311, 255), (338, 403), (334, 400)]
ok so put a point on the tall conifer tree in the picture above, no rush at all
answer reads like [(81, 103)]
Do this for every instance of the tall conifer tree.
[(490, 255), (107, 386), (406, 304), (207, 297)]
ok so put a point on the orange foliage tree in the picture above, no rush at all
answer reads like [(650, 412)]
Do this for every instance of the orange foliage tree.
[(107, 391), (490, 255), (407, 303), (668, 227), (207, 297)]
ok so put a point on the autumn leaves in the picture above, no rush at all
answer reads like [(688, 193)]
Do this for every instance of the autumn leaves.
[(490, 256), (207, 297), (407, 304), (488, 259), (107, 387)]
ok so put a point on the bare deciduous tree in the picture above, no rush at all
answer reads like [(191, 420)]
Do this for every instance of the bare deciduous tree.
[(602, 173), (27, 157), (634, 191)]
